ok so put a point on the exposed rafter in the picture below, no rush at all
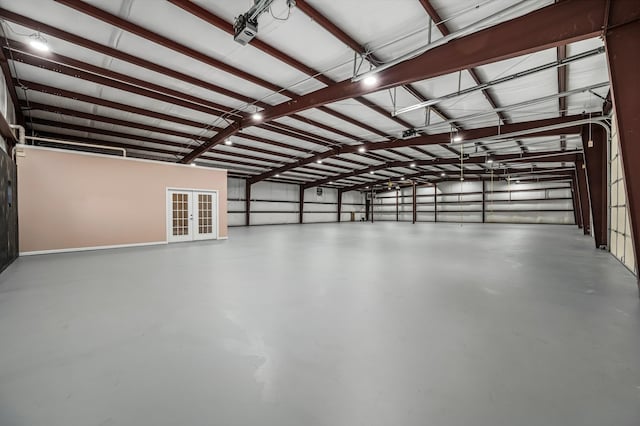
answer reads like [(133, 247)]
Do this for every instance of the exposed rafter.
[(552, 26)]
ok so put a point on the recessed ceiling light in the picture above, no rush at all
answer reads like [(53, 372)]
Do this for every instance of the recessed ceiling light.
[(362, 149), (38, 42), (228, 142), (257, 116), (370, 81)]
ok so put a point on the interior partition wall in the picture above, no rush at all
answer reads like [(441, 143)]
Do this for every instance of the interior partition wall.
[(73, 200)]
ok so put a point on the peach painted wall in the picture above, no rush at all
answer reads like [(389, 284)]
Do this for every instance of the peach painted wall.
[(74, 200)]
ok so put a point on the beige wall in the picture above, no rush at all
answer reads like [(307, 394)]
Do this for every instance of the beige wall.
[(75, 200)]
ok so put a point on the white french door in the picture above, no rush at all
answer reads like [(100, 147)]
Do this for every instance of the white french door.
[(192, 215)]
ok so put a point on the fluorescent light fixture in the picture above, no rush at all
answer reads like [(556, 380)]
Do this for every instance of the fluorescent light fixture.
[(362, 149), (228, 142), (424, 104), (257, 116), (370, 80), (38, 42)]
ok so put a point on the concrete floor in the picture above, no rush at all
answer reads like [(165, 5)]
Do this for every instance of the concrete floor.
[(352, 324)]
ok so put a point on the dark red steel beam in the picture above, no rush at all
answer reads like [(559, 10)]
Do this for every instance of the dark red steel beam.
[(43, 88), (227, 27), (583, 191), (577, 217), (558, 24), (537, 157), (621, 41), (127, 136), (132, 28), (112, 81), (595, 141), (71, 38), (443, 139), (442, 26), (83, 70), (106, 50), (334, 30)]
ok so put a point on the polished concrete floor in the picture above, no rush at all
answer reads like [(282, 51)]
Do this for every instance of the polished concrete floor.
[(352, 324)]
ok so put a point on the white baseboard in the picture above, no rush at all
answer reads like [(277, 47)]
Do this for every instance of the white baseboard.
[(69, 250), (223, 238)]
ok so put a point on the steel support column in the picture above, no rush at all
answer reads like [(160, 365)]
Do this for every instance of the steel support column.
[(247, 203), (301, 205), (594, 141), (484, 200), (415, 212), (435, 202), (584, 197), (621, 41), (576, 203), (339, 205), (397, 206)]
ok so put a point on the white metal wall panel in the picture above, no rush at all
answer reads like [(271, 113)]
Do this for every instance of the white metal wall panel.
[(620, 237)]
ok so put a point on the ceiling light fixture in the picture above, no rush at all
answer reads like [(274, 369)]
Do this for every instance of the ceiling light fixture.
[(257, 116), (228, 142), (413, 164), (362, 149), (38, 42), (401, 178), (319, 161), (443, 174), (371, 172), (370, 81), (277, 175)]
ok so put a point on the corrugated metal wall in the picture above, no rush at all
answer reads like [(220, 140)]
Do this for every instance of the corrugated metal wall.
[(278, 203), (537, 202), (620, 237)]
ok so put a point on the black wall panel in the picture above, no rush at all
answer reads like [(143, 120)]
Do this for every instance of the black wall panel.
[(8, 211)]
